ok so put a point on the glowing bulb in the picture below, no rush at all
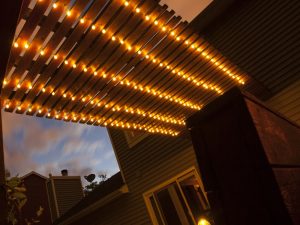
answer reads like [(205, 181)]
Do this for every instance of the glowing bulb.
[(93, 27), (126, 3), (73, 98), (16, 45), (113, 38), (178, 39), (95, 73), (138, 10), (203, 222), (147, 17), (173, 33), (42, 52), (53, 93), (66, 62), (69, 13), (156, 22), (129, 48), (4, 82), (64, 95), (82, 20), (55, 57), (40, 111), (103, 31), (164, 28), (74, 65), (139, 52), (121, 42), (26, 45), (18, 86), (43, 90), (85, 69)]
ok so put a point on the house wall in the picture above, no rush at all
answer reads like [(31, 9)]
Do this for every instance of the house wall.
[(36, 192), (261, 37), (64, 193), (144, 166), (68, 193), (287, 102)]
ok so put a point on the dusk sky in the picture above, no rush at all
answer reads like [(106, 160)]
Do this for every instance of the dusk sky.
[(48, 146)]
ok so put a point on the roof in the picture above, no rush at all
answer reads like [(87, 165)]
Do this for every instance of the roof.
[(132, 65), (111, 185), (34, 173)]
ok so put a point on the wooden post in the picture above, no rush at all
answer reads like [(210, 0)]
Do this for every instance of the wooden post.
[(249, 161), (9, 16), (3, 203)]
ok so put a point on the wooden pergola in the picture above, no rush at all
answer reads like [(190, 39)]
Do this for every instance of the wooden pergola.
[(127, 64)]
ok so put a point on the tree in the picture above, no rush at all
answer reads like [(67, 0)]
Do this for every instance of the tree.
[(93, 184), (16, 197)]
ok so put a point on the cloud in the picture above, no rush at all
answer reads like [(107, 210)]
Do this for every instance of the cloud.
[(49, 146)]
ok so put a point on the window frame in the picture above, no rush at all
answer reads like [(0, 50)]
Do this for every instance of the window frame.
[(131, 141), (176, 179)]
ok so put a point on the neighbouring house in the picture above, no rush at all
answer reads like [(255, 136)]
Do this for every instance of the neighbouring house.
[(64, 192), (37, 196), (56, 195), (159, 181)]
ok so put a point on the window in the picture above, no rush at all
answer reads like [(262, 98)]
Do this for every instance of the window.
[(134, 137), (181, 201)]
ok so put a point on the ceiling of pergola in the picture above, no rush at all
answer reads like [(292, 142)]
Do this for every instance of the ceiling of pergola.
[(115, 63)]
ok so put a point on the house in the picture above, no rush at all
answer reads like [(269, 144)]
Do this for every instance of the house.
[(56, 195), (64, 192), (37, 196), (159, 181)]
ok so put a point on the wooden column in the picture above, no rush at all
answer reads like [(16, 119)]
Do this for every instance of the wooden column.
[(249, 160), (9, 15)]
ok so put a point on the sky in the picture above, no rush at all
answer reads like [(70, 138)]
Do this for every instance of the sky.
[(48, 146)]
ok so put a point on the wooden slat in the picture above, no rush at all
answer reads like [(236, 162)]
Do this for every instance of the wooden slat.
[(87, 56), (64, 27), (32, 21), (73, 38), (46, 28)]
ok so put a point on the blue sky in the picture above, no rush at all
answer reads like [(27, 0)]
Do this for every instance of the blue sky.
[(48, 146)]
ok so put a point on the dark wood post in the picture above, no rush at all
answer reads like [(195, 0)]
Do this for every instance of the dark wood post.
[(9, 16), (249, 160)]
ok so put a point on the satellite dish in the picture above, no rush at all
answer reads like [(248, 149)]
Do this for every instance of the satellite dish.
[(90, 177)]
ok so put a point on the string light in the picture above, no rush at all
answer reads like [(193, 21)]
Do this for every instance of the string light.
[(16, 45), (173, 34), (161, 64)]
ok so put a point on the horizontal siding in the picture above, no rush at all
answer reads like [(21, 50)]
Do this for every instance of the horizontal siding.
[(262, 38), (287, 102), (146, 165), (68, 193)]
